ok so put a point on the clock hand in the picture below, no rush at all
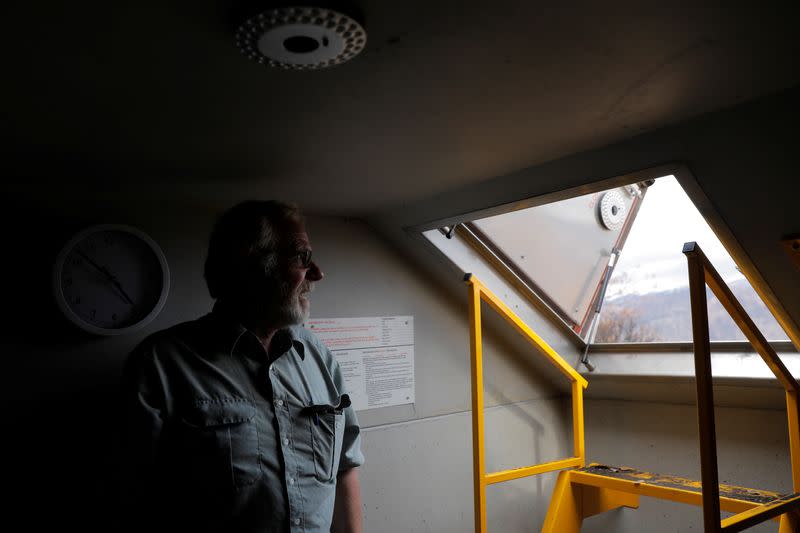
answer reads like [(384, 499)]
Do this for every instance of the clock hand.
[(88, 259), (118, 285), (107, 274)]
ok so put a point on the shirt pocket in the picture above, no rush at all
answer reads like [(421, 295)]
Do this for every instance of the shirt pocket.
[(326, 422), (224, 440)]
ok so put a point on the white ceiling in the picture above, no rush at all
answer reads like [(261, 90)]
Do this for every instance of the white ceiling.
[(154, 95)]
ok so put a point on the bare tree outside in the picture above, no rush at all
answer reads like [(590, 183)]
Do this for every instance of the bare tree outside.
[(623, 324)]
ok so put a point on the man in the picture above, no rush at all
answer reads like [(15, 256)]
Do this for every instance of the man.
[(238, 421)]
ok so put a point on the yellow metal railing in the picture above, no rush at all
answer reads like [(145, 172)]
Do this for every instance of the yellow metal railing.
[(582, 492), (478, 292), (702, 273)]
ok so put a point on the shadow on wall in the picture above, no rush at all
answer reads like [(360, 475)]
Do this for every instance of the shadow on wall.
[(537, 429), (65, 464), (61, 400), (31, 244)]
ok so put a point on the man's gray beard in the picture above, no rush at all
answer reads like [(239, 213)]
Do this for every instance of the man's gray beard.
[(291, 311)]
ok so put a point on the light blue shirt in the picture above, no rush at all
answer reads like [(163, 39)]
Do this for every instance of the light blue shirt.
[(220, 438)]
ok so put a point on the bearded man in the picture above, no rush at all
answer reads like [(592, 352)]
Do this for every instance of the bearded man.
[(239, 421)]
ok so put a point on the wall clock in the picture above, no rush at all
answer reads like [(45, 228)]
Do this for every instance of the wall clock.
[(111, 279)]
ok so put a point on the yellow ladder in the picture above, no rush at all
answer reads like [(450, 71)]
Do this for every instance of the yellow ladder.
[(583, 491)]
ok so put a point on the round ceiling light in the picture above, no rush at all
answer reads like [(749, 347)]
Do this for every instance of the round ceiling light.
[(301, 38)]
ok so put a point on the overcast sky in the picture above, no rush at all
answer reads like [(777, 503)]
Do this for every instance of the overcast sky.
[(651, 259)]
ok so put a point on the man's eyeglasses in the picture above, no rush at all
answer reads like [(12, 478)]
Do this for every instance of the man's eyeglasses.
[(301, 257), (304, 258)]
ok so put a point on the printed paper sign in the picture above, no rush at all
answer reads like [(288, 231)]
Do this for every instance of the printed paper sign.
[(376, 355)]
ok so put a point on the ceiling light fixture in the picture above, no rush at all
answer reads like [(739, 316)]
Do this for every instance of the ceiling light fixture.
[(301, 38)]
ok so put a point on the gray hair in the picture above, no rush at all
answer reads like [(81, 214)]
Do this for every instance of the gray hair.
[(246, 229)]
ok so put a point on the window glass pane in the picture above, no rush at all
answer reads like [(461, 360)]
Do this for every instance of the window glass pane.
[(648, 294)]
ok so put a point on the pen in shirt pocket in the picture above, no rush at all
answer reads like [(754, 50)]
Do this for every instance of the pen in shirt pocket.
[(315, 410)]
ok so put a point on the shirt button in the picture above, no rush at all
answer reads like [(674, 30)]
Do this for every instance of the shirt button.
[(286, 442), (297, 521), (291, 481), (280, 403)]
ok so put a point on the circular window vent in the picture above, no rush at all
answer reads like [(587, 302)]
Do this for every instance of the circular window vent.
[(301, 38), (612, 210)]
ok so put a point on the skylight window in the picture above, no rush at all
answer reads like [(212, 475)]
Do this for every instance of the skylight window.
[(616, 252)]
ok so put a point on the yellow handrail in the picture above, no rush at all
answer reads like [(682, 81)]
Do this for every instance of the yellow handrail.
[(477, 292), (702, 273)]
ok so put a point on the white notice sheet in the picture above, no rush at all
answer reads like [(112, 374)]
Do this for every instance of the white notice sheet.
[(376, 355)]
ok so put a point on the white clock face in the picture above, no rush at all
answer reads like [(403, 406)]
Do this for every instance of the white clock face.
[(111, 279)]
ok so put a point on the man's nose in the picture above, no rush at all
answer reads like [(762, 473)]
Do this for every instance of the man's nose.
[(314, 273)]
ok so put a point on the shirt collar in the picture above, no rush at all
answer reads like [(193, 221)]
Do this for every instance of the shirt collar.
[(230, 333)]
